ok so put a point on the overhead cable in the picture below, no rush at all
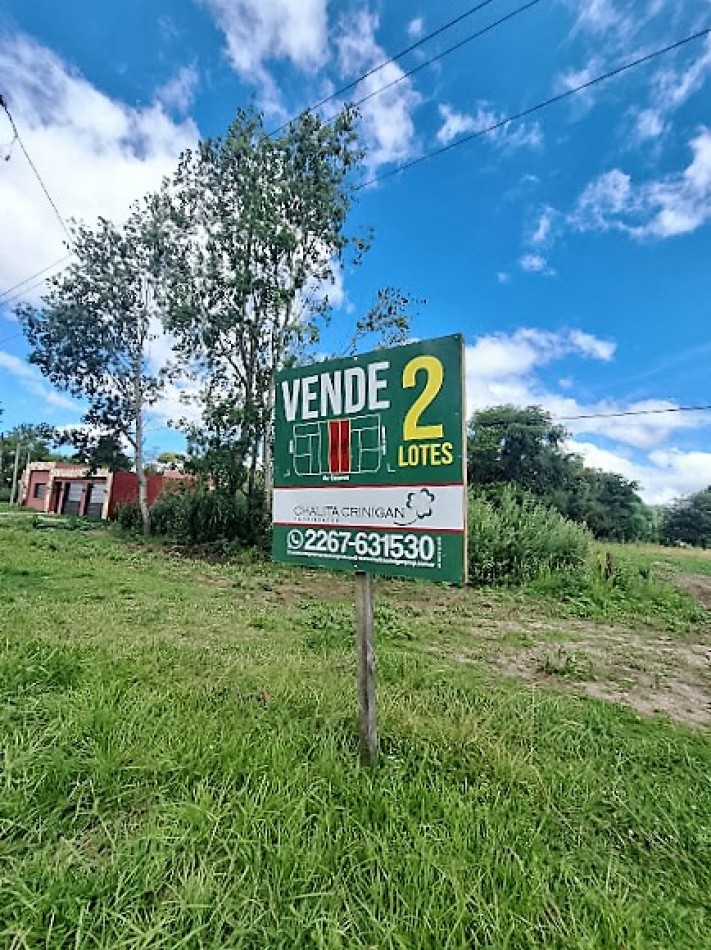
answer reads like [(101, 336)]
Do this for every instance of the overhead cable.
[(18, 138), (392, 59), (502, 123)]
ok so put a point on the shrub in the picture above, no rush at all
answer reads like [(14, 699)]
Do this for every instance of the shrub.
[(128, 516), (514, 538), (201, 516)]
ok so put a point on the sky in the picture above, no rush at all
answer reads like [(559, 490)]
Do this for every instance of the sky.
[(571, 248)]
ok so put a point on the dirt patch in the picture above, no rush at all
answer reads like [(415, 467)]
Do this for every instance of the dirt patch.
[(698, 585), (652, 674)]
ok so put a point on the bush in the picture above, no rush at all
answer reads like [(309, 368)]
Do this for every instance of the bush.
[(128, 516), (514, 538), (201, 516)]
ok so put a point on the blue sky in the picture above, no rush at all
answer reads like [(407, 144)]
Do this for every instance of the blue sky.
[(573, 249)]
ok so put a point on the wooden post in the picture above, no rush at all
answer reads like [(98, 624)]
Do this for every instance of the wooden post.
[(366, 669)]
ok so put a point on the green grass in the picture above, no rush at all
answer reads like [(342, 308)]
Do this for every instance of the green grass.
[(180, 769), (680, 560)]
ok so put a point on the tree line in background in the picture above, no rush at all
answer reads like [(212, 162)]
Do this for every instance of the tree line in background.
[(515, 456), (225, 276)]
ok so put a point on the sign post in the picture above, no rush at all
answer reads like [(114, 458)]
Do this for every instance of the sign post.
[(370, 476), (365, 648)]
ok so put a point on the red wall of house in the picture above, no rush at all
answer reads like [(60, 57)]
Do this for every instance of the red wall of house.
[(124, 489), (36, 478)]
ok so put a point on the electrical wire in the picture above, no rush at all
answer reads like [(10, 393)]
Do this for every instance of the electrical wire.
[(633, 412), (18, 295), (446, 52), (536, 108), (387, 62), (39, 273), (18, 138), (597, 415)]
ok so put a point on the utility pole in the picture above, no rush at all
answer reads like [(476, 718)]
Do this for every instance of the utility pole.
[(14, 474)]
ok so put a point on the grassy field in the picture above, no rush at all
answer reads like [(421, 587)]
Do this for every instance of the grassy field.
[(180, 764)]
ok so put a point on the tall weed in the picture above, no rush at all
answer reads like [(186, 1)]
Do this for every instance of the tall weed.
[(513, 539)]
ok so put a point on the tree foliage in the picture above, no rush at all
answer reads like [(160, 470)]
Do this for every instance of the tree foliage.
[(95, 449), (92, 334), (688, 521), (36, 444), (260, 224), (525, 448)]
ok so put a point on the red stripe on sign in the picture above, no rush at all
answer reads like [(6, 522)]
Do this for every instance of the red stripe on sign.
[(330, 526), (345, 446), (334, 447)]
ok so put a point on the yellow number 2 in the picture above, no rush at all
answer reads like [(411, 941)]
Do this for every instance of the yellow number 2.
[(411, 429)]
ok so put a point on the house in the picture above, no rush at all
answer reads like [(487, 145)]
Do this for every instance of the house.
[(61, 488)]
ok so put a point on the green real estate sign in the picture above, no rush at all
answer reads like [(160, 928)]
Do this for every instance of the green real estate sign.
[(369, 463)]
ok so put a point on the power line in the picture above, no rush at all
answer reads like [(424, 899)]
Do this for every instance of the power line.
[(597, 415), (21, 293), (451, 49), (632, 412), (39, 273), (387, 62), (18, 138), (339, 92), (536, 108)]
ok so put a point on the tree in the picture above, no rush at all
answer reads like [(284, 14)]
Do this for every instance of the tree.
[(91, 336), (689, 521), (523, 446), (95, 449), (509, 445), (260, 227), (170, 461), (614, 510), (34, 442)]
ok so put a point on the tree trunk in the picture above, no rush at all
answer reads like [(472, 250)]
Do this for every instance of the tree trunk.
[(140, 466)]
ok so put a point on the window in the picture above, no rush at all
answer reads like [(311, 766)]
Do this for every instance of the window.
[(40, 490)]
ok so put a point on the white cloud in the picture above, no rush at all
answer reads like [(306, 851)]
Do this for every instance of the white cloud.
[(649, 124), (662, 476), (179, 92), (662, 208), (386, 119), (597, 16), (544, 226), (673, 86), (507, 359), (573, 78), (29, 379), (456, 123), (503, 277), (612, 31), (535, 264), (415, 28), (95, 154), (588, 345), (511, 134), (507, 368), (257, 31), (605, 197)]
